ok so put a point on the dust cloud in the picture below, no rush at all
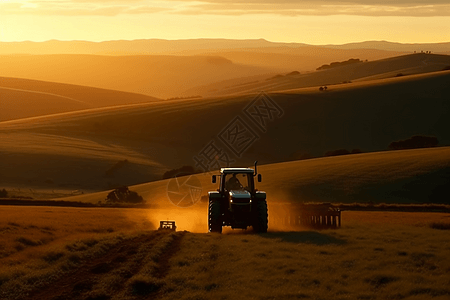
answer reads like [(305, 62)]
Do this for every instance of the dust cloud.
[(195, 218)]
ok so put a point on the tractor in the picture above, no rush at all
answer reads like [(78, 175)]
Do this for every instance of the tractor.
[(237, 203)]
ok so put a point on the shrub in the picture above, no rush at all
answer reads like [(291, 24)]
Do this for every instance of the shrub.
[(337, 152), (293, 73), (123, 195), (338, 64), (417, 141), (3, 193), (342, 152), (356, 151)]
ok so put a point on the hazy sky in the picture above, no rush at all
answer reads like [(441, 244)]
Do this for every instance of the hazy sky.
[(313, 22)]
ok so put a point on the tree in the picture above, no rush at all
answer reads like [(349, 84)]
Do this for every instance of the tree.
[(417, 141), (337, 152), (123, 195)]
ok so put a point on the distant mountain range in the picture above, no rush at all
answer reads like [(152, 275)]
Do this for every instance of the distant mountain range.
[(159, 46)]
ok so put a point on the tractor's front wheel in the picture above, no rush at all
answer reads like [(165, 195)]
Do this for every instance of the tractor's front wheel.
[(214, 217), (261, 221)]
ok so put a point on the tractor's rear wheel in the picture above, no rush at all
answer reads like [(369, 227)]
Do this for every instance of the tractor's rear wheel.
[(214, 217), (262, 217)]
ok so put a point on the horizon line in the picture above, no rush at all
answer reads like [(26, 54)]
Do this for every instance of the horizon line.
[(226, 39)]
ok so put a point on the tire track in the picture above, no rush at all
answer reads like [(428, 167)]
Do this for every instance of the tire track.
[(152, 289), (122, 257), (163, 267)]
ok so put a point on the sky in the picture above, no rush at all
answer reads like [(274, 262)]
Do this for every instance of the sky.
[(315, 22)]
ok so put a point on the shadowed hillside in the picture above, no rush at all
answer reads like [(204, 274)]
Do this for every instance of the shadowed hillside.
[(75, 150)]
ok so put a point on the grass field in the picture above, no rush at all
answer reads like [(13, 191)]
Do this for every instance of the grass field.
[(71, 253), (403, 176)]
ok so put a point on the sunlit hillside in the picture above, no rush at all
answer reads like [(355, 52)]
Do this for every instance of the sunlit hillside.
[(168, 69), (406, 176), (398, 66), (22, 98), (86, 150), (162, 76), (288, 59)]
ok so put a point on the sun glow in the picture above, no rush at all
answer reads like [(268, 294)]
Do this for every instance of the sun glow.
[(314, 24)]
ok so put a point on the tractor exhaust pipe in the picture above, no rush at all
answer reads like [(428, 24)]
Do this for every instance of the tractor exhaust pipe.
[(256, 171)]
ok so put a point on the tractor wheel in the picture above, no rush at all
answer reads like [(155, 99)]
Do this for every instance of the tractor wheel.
[(214, 217), (261, 218)]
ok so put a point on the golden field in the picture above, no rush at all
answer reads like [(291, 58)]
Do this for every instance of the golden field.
[(71, 253)]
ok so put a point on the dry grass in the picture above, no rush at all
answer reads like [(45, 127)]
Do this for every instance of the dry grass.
[(375, 255), (26, 230), (41, 244), (366, 259)]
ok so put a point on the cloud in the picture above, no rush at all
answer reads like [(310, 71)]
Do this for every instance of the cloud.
[(322, 2), (420, 8), (320, 8), (80, 7)]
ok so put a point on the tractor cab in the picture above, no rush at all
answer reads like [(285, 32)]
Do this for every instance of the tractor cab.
[(237, 202)]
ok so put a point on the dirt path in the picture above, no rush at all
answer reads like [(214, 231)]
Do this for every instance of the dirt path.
[(113, 269)]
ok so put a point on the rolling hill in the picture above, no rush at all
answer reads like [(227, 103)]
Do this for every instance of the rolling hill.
[(410, 64), (99, 148), (166, 69), (162, 76), (404, 176), (22, 98)]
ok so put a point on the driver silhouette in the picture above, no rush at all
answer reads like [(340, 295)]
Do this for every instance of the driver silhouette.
[(233, 183)]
